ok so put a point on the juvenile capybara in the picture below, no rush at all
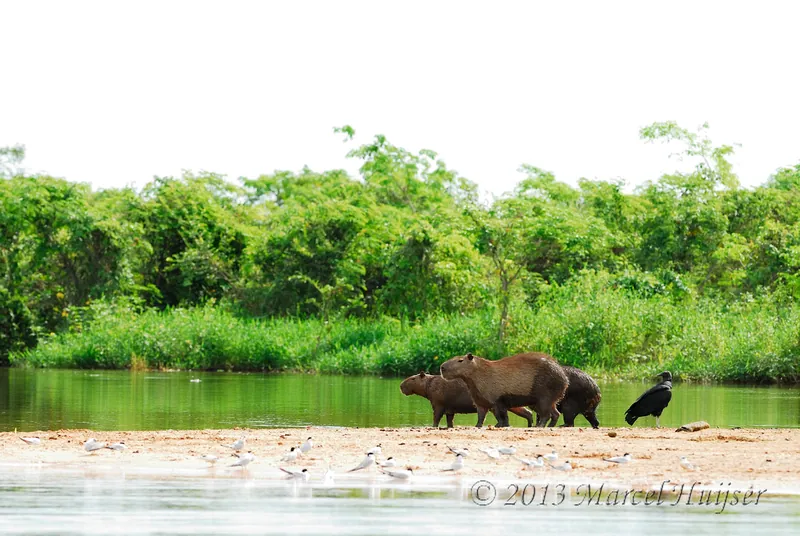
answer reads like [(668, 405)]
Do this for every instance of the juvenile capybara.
[(449, 397), (582, 398), (531, 379)]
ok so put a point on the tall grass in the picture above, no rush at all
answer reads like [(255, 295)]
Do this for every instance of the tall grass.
[(593, 322), (212, 338)]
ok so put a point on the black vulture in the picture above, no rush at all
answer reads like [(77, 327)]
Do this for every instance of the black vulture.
[(653, 401)]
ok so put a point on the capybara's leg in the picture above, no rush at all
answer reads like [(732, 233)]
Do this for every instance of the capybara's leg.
[(542, 414), (481, 416), (554, 415), (438, 413), (501, 413), (450, 419), (569, 412), (538, 417), (592, 418), (525, 413), (569, 419)]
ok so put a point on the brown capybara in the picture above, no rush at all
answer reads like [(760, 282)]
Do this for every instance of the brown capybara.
[(449, 397), (532, 379), (582, 398)]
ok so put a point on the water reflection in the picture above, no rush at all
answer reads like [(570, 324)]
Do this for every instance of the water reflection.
[(48, 501), (121, 400)]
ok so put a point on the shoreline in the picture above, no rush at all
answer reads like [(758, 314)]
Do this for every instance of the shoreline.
[(758, 458)]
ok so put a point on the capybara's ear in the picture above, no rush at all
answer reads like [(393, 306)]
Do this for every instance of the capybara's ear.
[(470, 356), (421, 373)]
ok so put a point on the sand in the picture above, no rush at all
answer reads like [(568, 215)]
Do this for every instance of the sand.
[(761, 458)]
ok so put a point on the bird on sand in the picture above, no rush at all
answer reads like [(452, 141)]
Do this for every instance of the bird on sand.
[(389, 462), (119, 446), (491, 452), (686, 464), (366, 462), (92, 445), (625, 458), (375, 450), (464, 452), (210, 458), (296, 475), (507, 451), (538, 462), (244, 460), (32, 440), (458, 464), (291, 455), (653, 401), (553, 456), (305, 447), (237, 445), (566, 466)]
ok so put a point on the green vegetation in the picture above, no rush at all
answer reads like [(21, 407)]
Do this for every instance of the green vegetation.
[(405, 266)]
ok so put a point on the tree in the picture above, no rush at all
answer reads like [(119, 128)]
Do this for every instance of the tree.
[(10, 158)]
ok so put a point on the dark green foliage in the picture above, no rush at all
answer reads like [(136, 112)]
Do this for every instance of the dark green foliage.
[(404, 266)]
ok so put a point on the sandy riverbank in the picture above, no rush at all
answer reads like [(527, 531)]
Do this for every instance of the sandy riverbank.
[(764, 458)]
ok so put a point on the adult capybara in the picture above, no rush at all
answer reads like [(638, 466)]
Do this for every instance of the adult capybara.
[(532, 379), (582, 397), (449, 397)]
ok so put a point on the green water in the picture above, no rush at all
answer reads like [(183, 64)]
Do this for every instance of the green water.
[(119, 400)]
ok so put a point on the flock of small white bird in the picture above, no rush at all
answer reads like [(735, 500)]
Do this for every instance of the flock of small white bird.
[(387, 466)]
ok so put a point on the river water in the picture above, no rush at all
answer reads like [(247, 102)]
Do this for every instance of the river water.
[(121, 400), (36, 499)]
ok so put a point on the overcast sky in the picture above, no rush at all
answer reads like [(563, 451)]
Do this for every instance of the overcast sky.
[(113, 93)]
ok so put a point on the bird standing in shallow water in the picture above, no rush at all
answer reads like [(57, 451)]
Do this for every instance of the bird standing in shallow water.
[(244, 460), (296, 475), (399, 474), (653, 401)]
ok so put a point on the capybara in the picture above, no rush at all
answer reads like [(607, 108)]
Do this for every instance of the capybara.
[(449, 397), (531, 379), (582, 398)]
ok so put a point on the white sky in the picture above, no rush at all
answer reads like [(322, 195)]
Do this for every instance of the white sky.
[(113, 93)]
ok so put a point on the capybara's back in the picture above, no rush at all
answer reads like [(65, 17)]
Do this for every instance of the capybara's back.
[(530, 379), (453, 395)]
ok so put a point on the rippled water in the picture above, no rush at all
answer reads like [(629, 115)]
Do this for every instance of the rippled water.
[(34, 501), (121, 400)]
